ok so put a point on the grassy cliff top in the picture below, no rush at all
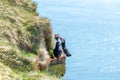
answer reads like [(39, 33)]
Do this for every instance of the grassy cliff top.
[(22, 36)]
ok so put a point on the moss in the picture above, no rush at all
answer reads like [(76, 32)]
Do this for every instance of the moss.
[(59, 70), (48, 43), (51, 53)]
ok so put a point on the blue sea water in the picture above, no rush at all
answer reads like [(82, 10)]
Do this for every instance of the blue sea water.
[(92, 31)]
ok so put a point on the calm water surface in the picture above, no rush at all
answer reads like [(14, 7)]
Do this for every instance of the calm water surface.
[(92, 31)]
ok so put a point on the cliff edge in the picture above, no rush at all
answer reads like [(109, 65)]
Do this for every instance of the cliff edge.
[(24, 39)]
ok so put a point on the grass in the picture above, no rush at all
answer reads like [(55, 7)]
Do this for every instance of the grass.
[(22, 68), (21, 35), (37, 75), (7, 74)]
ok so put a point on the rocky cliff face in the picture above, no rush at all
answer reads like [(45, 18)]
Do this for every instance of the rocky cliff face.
[(23, 35)]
